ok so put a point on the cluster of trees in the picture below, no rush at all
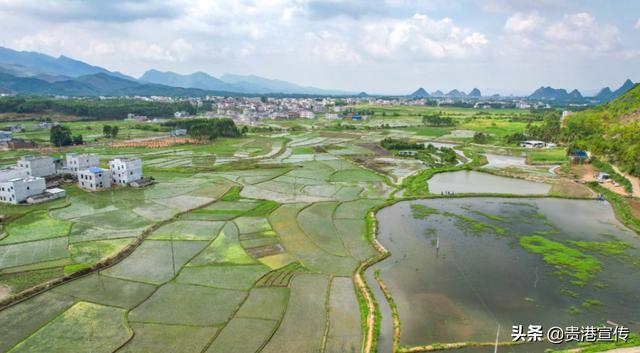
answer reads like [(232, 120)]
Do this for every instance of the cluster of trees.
[(549, 131), (206, 128), (436, 120), (110, 131), (617, 138), (481, 137), (61, 136), (397, 144), (92, 108)]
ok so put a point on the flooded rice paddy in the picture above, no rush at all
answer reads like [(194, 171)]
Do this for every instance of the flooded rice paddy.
[(477, 182), (459, 267)]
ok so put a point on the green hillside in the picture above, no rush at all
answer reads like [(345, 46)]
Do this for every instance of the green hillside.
[(611, 130)]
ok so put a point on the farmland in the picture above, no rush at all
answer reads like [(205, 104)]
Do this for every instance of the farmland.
[(241, 245)]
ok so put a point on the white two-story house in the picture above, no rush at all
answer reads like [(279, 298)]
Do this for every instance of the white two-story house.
[(37, 166), (82, 161), (125, 170), (94, 179), (18, 190)]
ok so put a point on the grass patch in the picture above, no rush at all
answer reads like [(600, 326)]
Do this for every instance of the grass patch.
[(263, 209), (233, 194), (76, 331), (422, 212), (608, 248), (566, 260), (35, 226)]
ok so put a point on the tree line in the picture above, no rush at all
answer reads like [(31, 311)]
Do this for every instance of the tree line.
[(92, 108), (206, 128)]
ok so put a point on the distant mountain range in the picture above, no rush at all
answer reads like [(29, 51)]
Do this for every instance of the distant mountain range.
[(559, 94), (422, 93), (36, 73), (233, 83)]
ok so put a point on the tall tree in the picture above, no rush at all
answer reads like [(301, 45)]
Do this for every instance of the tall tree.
[(60, 136)]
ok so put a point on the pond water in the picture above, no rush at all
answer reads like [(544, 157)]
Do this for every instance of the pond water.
[(476, 182), (503, 161), (458, 269)]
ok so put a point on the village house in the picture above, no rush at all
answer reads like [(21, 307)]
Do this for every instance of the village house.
[(179, 132), (307, 114), (5, 136), (8, 173), (18, 190), (37, 166), (94, 179), (47, 195), (125, 170), (532, 144), (181, 114), (78, 162)]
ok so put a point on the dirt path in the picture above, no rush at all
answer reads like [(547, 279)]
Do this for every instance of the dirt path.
[(635, 182), (587, 173), (4, 292)]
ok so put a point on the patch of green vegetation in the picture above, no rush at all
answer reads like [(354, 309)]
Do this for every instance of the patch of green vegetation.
[(590, 303), (489, 216), (467, 223), (233, 194), (263, 209), (303, 150), (573, 310), (69, 331), (548, 156), (607, 248), (422, 212), (568, 292), (75, 268), (34, 226), (23, 280), (566, 260)]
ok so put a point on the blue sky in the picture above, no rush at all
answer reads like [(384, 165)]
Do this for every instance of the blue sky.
[(379, 46)]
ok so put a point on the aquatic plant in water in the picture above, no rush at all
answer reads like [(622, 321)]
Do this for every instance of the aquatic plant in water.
[(568, 261)]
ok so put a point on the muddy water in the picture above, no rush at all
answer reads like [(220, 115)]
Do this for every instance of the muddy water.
[(476, 182), (503, 161), (474, 280)]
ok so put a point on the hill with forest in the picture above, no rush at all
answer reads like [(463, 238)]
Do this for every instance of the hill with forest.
[(611, 130)]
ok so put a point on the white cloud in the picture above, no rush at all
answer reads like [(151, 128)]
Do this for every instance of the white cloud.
[(524, 22), (332, 48), (421, 37), (574, 32), (582, 31), (637, 26)]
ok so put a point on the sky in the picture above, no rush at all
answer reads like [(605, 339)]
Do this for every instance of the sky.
[(377, 46)]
